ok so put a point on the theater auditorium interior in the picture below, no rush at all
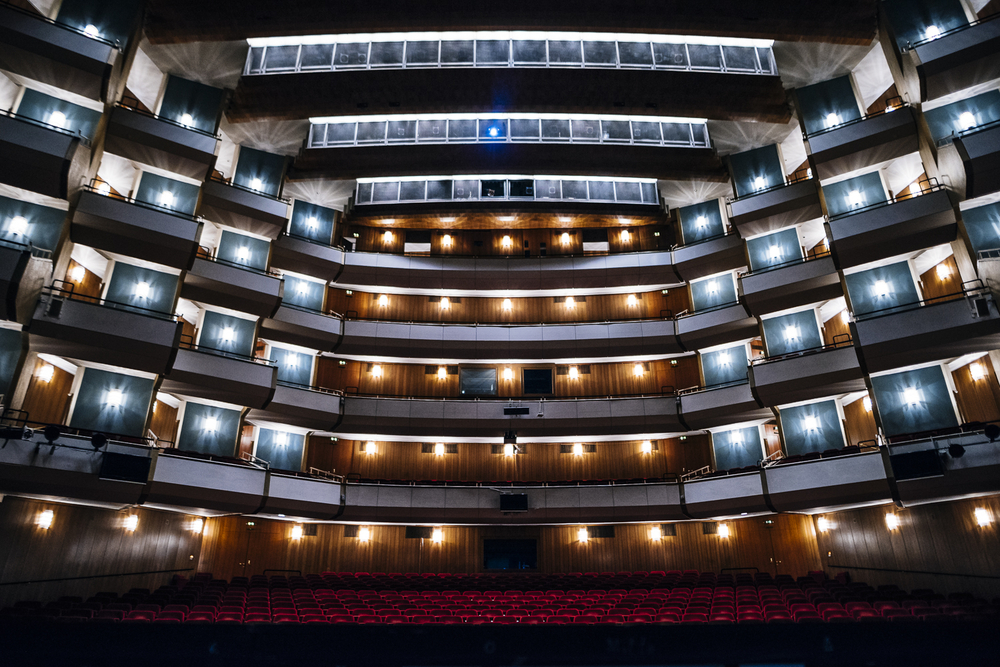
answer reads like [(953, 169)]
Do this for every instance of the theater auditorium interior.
[(450, 333)]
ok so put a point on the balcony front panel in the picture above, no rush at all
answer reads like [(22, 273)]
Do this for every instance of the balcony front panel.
[(775, 209), (980, 153), (309, 498), (732, 495), (791, 285), (57, 55), (581, 159), (103, 334), (722, 406), (864, 143), (136, 230), (14, 261), (486, 418), (201, 484), (963, 465), (306, 328), (160, 143), (243, 209), (302, 407), (902, 226), (958, 60), (41, 158), (709, 257), (221, 378), (292, 253), (807, 376), (820, 484), (229, 286), (365, 338), (716, 327)]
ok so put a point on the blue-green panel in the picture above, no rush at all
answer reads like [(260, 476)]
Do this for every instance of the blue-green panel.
[(95, 411), (811, 428), (209, 430), (925, 407)]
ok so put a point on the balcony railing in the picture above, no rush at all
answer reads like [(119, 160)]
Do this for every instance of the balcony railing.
[(797, 177), (94, 186), (913, 45), (208, 255), (501, 188), (63, 26), (314, 311), (782, 265), (924, 187), (709, 387), (41, 253), (132, 104), (187, 343), (714, 237), (48, 434), (892, 104), (219, 178), (66, 291), (666, 390), (701, 311), (971, 130), (970, 290), (55, 128), (839, 341), (310, 387)]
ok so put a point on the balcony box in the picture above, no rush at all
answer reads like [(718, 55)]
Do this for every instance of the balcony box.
[(775, 208), (889, 229), (828, 483), (863, 143), (201, 484), (233, 286), (957, 59), (243, 208), (294, 253), (721, 497), (221, 376), (980, 153), (716, 327), (728, 404), (806, 375), (23, 272), (51, 53), (105, 333), (929, 332), (159, 142), (304, 407), (41, 158), (790, 285), (706, 258), (300, 326), (974, 473), (136, 229), (300, 496)]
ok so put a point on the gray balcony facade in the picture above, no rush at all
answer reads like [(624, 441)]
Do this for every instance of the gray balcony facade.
[(304, 407), (790, 285), (776, 208), (306, 497), (805, 376), (952, 467), (719, 497), (980, 153), (716, 327), (864, 143), (219, 377), (22, 276), (707, 258), (228, 285), (293, 253), (243, 208), (206, 486), (41, 158), (828, 483), (954, 61), (721, 406), (160, 143), (299, 326)]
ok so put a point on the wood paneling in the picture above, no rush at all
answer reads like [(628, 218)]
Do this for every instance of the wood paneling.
[(882, 102), (164, 422), (90, 285), (978, 400), (934, 287), (614, 379), (942, 538), (772, 438), (834, 327), (859, 424), (47, 402), (786, 546), (475, 462), (87, 541), (530, 310)]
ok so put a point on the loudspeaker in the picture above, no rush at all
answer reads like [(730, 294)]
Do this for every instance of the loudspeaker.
[(514, 502), (125, 468)]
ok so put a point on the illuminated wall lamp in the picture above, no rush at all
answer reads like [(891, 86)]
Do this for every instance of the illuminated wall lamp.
[(932, 32), (655, 533), (442, 373), (57, 119), (508, 449), (437, 536), (983, 517), (867, 403), (439, 449), (198, 525), (832, 119), (46, 372), (845, 316), (44, 519), (701, 222), (104, 189), (625, 236), (297, 532), (371, 448), (911, 396), (445, 303), (810, 423), (638, 370), (210, 424), (577, 449), (388, 237), (759, 183), (257, 184), (723, 530), (632, 300), (647, 447), (506, 305), (383, 300), (131, 522), (506, 241), (167, 198), (574, 373), (312, 223), (280, 438), (582, 535), (92, 31), (508, 374), (966, 120), (977, 370), (880, 289), (114, 398), (187, 120), (243, 254), (712, 287), (564, 239), (446, 240), (18, 225), (891, 521), (228, 334), (141, 290), (78, 273), (570, 303), (823, 524), (943, 271), (376, 371), (364, 534)]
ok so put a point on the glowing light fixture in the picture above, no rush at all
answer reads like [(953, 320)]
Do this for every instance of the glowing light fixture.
[(210, 424), (712, 287), (446, 240), (383, 300), (564, 238), (364, 534), (506, 305), (388, 237), (625, 236), (723, 530), (577, 449), (791, 333), (78, 273), (867, 403), (966, 120), (724, 358), (701, 222), (823, 524), (493, 132), (442, 373), (58, 119), (647, 447), (574, 373), (736, 437), (312, 223), (570, 303), (92, 31), (297, 532), (759, 183), (439, 449), (243, 254), (437, 536), (257, 184), (983, 517), (141, 290), (582, 535), (198, 525), (832, 119), (506, 241), (376, 371), (280, 438), (44, 519), (911, 396), (508, 374), (774, 252), (131, 522), (977, 370), (932, 32), (187, 120), (445, 303), (114, 398), (855, 198), (46, 372), (104, 189), (845, 316), (943, 271), (18, 225), (880, 289), (371, 448), (655, 533), (891, 521), (508, 449), (810, 423), (632, 300), (638, 370), (228, 334)]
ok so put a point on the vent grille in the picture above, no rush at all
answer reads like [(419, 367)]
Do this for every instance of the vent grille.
[(668, 529), (600, 531), (350, 531), (710, 528), (419, 532)]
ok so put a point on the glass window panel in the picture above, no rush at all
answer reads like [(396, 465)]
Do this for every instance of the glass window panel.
[(354, 54), (705, 56), (279, 58), (387, 53), (317, 135), (495, 50), (364, 193), (764, 57), (700, 134), (600, 53), (402, 130), (432, 130), (439, 189), (412, 190), (547, 190), (466, 190), (646, 132), (522, 188), (564, 51), (586, 130), (740, 58), (256, 60), (494, 188), (602, 190), (676, 133), (385, 191), (669, 55), (523, 128), (616, 130), (537, 380), (462, 129), (574, 189), (495, 130), (457, 52), (635, 54), (529, 51), (340, 133), (477, 381), (555, 129), (649, 193), (371, 131), (316, 56), (421, 53), (628, 191)]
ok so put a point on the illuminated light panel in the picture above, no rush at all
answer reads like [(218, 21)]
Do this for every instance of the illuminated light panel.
[(577, 449), (966, 120), (582, 535), (508, 449), (880, 288), (655, 533), (376, 371), (18, 225), (506, 241), (388, 237), (57, 119), (78, 273), (638, 370), (911, 396), (167, 198), (723, 530), (383, 300), (439, 449), (508, 374), (442, 373), (445, 303), (977, 370), (810, 423), (364, 534), (446, 240), (44, 519), (574, 373), (371, 448), (506, 305), (647, 447), (891, 521), (297, 532), (131, 522), (632, 300), (114, 398), (570, 303), (437, 536), (943, 271), (983, 517), (198, 525), (141, 290), (46, 372)]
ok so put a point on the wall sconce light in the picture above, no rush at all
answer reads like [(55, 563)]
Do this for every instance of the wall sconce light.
[(943, 271), (297, 532), (723, 529), (564, 239), (442, 373), (114, 398), (92, 31), (582, 535), (131, 522), (867, 403), (445, 303), (570, 303), (243, 254), (439, 449), (655, 533), (437, 536), (625, 236), (574, 373), (104, 189), (46, 372), (78, 273), (302, 287), (508, 449), (57, 119), (577, 449), (187, 120), (647, 447), (880, 289), (312, 223), (371, 448), (167, 198), (759, 183), (736, 438), (823, 524), (791, 333), (141, 290), (280, 438), (632, 300), (891, 521), (701, 222), (810, 423), (855, 198), (845, 316), (388, 237), (228, 334), (210, 424), (508, 374), (44, 519), (383, 300), (506, 241), (932, 32), (506, 305), (911, 396), (198, 525), (18, 225), (983, 517), (638, 370), (712, 287), (724, 359), (364, 534), (291, 360), (257, 184), (774, 252), (446, 241), (966, 120), (977, 371), (376, 371), (832, 119)]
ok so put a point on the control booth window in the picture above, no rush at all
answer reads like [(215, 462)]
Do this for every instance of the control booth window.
[(510, 555), (478, 381), (537, 381)]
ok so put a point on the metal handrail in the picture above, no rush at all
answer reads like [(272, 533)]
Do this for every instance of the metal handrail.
[(730, 232), (208, 255), (913, 45), (976, 128), (68, 293), (669, 317), (709, 387), (115, 44), (309, 240), (93, 187), (34, 121), (789, 180), (926, 187), (306, 309), (710, 309), (782, 265), (150, 114), (326, 474), (892, 104), (967, 293), (310, 387), (772, 458), (41, 253), (519, 399), (254, 461), (513, 255), (840, 340), (187, 343), (229, 182), (696, 473)]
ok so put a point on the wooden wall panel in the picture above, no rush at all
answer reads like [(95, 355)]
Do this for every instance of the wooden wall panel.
[(530, 310), (164, 422), (87, 541), (978, 400), (90, 285), (934, 287), (833, 327), (941, 538), (47, 402), (786, 546), (859, 424), (412, 380)]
